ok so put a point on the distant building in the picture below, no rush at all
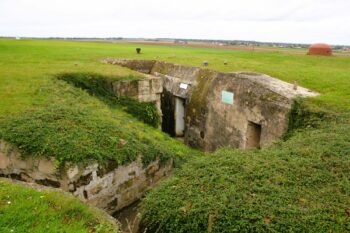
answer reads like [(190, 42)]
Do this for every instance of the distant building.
[(18, 38), (180, 42), (320, 49)]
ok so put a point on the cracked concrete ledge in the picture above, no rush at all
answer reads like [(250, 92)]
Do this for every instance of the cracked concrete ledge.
[(110, 188)]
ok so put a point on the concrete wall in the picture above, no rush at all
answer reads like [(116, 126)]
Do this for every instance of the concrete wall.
[(146, 90), (108, 187), (227, 124), (260, 101), (187, 74)]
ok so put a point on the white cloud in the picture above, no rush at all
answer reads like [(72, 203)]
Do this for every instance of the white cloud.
[(305, 21)]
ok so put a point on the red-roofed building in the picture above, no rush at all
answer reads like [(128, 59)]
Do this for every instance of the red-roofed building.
[(320, 49)]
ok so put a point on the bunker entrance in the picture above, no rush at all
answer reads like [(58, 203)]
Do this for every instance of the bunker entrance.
[(179, 116), (168, 119), (253, 135), (173, 110)]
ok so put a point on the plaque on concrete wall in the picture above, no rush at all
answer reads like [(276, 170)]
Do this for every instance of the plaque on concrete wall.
[(183, 85), (227, 97)]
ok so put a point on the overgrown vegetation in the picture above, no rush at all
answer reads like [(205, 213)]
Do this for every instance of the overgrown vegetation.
[(23, 209), (306, 115), (101, 87), (78, 128), (298, 185)]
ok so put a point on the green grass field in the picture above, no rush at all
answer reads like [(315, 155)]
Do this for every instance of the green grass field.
[(300, 184), (46, 116), (23, 209), (31, 62)]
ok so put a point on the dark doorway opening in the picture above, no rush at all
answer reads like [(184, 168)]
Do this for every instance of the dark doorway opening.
[(168, 112), (253, 135), (173, 111)]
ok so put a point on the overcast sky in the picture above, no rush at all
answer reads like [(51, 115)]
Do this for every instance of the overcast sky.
[(304, 21)]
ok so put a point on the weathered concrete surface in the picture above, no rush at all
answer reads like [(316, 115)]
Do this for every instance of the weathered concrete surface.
[(110, 187), (146, 90), (258, 100), (187, 74), (143, 67), (276, 85), (252, 103), (172, 85)]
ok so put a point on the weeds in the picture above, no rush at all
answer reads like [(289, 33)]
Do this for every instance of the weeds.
[(79, 128), (297, 185)]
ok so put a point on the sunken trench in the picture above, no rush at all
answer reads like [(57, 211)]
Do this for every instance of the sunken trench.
[(114, 189), (204, 108)]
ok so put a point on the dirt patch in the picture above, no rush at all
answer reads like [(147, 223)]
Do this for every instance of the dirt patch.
[(129, 218)]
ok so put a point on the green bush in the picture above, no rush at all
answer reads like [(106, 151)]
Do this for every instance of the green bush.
[(101, 87), (144, 111), (78, 128), (298, 185), (306, 115)]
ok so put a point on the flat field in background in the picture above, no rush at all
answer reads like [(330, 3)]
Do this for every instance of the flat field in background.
[(252, 48), (26, 64)]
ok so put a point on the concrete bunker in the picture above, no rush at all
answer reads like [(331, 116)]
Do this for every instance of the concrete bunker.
[(173, 114), (253, 135), (211, 109), (208, 109), (173, 109)]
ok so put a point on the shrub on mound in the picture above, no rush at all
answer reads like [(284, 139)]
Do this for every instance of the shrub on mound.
[(101, 87), (300, 185), (79, 128)]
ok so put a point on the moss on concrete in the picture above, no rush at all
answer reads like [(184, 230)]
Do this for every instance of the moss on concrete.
[(198, 102)]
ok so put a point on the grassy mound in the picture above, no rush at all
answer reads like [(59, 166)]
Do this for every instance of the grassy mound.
[(100, 86), (299, 185), (44, 116), (23, 209), (79, 128)]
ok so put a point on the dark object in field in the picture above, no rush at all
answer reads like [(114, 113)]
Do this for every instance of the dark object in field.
[(205, 63), (138, 50)]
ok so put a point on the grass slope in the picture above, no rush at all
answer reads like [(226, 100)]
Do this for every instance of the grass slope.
[(298, 185), (44, 116), (100, 86), (23, 209), (79, 128)]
